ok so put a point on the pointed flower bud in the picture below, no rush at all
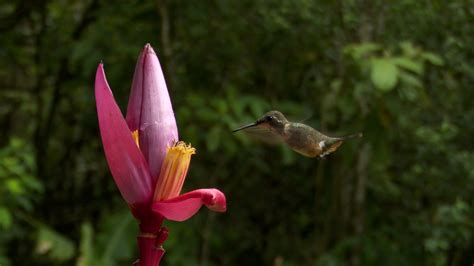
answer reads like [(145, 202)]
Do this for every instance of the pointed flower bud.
[(150, 112)]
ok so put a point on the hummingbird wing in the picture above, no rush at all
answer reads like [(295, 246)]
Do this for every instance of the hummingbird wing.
[(352, 136), (264, 135)]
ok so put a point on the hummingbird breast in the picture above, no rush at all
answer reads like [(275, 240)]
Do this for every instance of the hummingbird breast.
[(303, 139)]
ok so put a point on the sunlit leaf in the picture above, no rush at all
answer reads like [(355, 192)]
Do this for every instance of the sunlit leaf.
[(384, 74), (54, 245), (15, 186)]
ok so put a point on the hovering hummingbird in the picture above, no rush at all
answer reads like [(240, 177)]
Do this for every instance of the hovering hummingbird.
[(300, 137)]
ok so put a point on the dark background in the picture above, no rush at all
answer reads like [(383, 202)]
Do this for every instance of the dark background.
[(399, 71)]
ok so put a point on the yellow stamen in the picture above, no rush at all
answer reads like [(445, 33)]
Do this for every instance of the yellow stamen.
[(135, 137), (173, 171)]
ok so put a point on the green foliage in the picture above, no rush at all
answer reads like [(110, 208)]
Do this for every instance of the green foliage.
[(17, 183), (112, 245), (19, 189), (54, 245), (86, 253), (5, 218), (386, 71)]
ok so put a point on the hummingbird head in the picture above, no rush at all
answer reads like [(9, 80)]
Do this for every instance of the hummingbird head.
[(273, 120)]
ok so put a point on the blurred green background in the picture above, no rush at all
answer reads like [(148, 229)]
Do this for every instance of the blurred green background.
[(400, 71)]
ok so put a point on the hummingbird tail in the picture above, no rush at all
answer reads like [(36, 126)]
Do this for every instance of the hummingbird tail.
[(352, 136)]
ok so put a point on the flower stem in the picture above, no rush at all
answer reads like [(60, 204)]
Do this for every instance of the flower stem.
[(151, 248), (151, 238)]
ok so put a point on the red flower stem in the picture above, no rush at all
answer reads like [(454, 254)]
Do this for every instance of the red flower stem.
[(151, 251), (150, 240)]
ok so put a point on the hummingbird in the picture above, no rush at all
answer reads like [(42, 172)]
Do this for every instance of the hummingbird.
[(301, 138)]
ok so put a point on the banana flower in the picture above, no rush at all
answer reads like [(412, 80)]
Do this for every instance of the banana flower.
[(146, 158)]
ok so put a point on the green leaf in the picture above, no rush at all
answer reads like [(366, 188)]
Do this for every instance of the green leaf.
[(115, 238), (409, 64), (86, 256), (55, 245), (358, 51), (410, 79), (433, 58), (15, 186), (5, 218), (32, 183), (410, 93), (384, 74), (4, 261), (409, 49)]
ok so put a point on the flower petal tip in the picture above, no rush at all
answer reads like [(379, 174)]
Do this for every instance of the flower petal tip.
[(148, 49), (187, 205), (218, 202), (100, 79)]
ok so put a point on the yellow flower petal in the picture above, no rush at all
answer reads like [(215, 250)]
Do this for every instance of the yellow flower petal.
[(136, 137), (173, 171)]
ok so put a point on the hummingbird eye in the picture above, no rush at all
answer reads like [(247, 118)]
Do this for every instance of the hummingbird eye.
[(269, 118)]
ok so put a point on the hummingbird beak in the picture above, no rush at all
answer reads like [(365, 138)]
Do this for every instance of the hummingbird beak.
[(254, 124)]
